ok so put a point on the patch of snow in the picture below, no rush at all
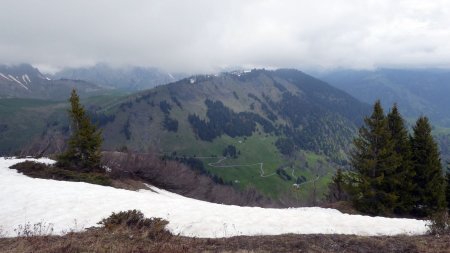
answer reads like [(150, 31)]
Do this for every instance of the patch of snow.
[(192, 80), (76, 205), (17, 81), (240, 72), (26, 79), (171, 76), (44, 77), (2, 75)]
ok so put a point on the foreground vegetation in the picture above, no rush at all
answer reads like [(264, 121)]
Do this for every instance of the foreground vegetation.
[(394, 173), (99, 240), (40, 170)]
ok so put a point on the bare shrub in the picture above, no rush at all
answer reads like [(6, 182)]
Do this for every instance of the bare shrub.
[(179, 178), (153, 228), (51, 142), (31, 230), (439, 223)]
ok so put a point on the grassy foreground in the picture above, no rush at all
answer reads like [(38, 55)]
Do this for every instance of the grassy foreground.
[(100, 240)]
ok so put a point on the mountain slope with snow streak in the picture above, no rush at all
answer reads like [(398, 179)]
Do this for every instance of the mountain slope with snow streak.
[(73, 205), (25, 81)]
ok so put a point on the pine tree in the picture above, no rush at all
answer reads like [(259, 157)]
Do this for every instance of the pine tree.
[(374, 161), (83, 151), (447, 190), (338, 187), (403, 177), (429, 178)]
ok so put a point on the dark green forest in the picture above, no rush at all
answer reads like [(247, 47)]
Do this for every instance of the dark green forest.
[(393, 171)]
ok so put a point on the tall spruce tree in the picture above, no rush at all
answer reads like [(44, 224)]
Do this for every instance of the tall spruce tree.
[(403, 177), (429, 178), (83, 149), (375, 161), (447, 190)]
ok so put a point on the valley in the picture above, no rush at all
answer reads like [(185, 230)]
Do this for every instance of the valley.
[(185, 119), (416, 91), (224, 126)]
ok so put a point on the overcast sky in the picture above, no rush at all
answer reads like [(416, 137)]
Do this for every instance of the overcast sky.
[(210, 35)]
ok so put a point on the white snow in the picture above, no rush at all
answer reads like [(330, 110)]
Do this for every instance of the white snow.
[(26, 78), (240, 72), (17, 81), (1, 74), (74, 206)]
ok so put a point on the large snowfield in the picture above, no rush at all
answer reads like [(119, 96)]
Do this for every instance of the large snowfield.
[(75, 206)]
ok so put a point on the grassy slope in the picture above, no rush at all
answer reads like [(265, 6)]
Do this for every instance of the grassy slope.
[(26, 119), (147, 132), (144, 119)]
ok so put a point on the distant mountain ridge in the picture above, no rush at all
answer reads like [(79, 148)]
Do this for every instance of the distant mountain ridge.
[(258, 129), (284, 102), (277, 128), (130, 78), (25, 81), (417, 91)]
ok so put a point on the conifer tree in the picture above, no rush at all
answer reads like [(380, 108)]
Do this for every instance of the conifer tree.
[(429, 178), (403, 177), (83, 151), (447, 190), (338, 188), (375, 161)]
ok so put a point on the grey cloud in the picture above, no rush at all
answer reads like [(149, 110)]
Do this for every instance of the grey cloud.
[(205, 36)]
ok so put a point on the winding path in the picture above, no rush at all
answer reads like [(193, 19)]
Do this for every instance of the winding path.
[(309, 181), (217, 165)]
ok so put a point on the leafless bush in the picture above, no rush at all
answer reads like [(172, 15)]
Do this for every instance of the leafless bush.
[(153, 228), (52, 142), (439, 223), (31, 230), (179, 178)]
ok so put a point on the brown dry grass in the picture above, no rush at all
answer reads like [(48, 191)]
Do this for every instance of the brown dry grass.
[(102, 240)]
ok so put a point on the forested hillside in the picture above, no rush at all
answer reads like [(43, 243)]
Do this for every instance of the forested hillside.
[(416, 91), (273, 131), (286, 128)]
